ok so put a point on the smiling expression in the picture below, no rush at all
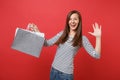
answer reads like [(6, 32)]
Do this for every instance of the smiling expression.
[(73, 22)]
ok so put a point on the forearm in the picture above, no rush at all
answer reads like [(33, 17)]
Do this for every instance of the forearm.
[(98, 45)]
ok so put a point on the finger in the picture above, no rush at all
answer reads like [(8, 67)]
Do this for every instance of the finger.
[(28, 26), (34, 25), (100, 27), (96, 25), (93, 26), (91, 33), (31, 29)]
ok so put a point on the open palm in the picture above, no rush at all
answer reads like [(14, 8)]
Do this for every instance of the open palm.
[(97, 30)]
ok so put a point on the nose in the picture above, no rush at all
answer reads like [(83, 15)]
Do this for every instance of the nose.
[(72, 21)]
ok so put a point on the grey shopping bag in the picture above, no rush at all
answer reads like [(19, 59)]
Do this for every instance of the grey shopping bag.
[(28, 42)]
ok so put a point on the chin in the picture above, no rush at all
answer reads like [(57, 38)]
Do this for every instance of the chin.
[(73, 29)]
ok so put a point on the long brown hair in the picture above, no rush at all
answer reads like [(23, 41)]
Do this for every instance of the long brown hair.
[(77, 40)]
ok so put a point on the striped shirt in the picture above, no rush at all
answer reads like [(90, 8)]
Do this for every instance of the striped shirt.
[(65, 53)]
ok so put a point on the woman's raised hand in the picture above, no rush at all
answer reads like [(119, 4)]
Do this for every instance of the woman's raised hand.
[(97, 30)]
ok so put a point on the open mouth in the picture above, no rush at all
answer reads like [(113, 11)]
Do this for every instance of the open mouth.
[(73, 26)]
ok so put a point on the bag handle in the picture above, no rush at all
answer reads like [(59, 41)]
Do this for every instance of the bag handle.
[(32, 27)]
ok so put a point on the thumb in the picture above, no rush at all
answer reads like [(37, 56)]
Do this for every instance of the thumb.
[(91, 33)]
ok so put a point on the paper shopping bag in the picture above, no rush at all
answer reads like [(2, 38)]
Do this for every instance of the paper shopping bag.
[(28, 42)]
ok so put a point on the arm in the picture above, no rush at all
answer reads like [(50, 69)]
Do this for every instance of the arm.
[(98, 45), (53, 39), (89, 48), (97, 34), (49, 42)]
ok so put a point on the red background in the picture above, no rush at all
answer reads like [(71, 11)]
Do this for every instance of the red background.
[(50, 17)]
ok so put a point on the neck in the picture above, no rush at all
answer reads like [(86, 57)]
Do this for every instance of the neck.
[(72, 33)]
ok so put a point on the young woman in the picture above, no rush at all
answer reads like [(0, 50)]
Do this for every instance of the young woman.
[(69, 41)]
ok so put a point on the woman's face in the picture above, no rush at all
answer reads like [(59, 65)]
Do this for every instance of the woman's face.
[(73, 22)]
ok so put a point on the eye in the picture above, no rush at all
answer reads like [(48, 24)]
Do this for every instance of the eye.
[(75, 19), (70, 19)]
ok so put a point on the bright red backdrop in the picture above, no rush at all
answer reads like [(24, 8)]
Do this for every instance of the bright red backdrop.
[(50, 17)]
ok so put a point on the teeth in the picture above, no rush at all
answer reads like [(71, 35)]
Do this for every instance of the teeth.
[(73, 25)]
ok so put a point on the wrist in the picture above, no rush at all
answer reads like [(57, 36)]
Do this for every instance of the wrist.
[(98, 38)]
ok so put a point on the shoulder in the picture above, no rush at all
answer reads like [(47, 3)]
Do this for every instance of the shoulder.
[(84, 37)]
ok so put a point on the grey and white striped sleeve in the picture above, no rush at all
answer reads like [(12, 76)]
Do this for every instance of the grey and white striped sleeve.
[(51, 41), (89, 48)]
